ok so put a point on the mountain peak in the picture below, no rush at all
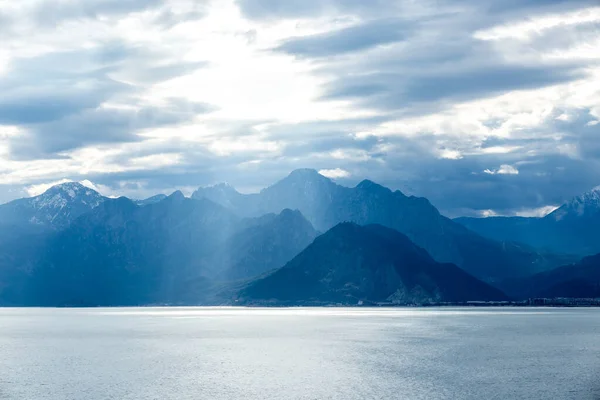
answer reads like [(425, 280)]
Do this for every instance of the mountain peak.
[(349, 263), (305, 173), (289, 215), (589, 202), (177, 195), (366, 183), (370, 185), (59, 196), (302, 177), (222, 187), (72, 189), (56, 208)]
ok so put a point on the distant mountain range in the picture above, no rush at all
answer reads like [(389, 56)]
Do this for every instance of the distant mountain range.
[(581, 280), (303, 240), (570, 229), (325, 204), (166, 252)]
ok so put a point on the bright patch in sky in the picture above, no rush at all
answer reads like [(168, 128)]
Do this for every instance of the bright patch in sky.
[(335, 173)]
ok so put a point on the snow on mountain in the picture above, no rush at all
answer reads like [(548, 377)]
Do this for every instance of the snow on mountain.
[(585, 204), (56, 208), (151, 200)]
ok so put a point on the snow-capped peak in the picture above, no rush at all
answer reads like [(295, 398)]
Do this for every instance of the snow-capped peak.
[(586, 203), (222, 186), (59, 196)]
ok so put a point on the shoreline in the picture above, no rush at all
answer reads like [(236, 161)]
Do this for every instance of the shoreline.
[(530, 303)]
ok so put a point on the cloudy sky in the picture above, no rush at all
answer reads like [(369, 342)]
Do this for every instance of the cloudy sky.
[(482, 106)]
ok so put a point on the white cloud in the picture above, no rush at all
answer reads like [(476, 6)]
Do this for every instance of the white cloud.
[(536, 212), (355, 155), (335, 173), (504, 169), (450, 154), (89, 184), (523, 212), (488, 213), (35, 190), (508, 170)]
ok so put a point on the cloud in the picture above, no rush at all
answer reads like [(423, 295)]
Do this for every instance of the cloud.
[(35, 190), (272, 9), (103, 124), (346, 40), (488, 213), (56, 11), (335, 173), (503, 170), (536, 212), (146, 97), (392, 88)]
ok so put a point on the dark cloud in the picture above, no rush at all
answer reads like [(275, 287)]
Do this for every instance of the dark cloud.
[(459, 187), (546, 175), (440, 60), (59, 98), (359, 37), (522, 5), (100, 125), (55, 85), (387, 90), (489, 9)]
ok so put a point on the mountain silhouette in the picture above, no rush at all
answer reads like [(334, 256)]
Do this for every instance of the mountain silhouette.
[(351, 264)]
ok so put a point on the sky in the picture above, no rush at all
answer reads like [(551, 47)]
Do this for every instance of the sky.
[(485, 107)]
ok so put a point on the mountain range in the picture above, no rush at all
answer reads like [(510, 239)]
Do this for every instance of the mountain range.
[(303, 240), (325, 204), (571, 228), (580, 280)]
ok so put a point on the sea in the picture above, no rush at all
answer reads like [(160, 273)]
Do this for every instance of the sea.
[(299, 353)]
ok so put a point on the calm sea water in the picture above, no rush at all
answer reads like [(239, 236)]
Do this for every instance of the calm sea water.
[(346, 354)]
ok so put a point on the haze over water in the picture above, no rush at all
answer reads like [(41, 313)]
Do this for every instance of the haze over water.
[(230, 353)]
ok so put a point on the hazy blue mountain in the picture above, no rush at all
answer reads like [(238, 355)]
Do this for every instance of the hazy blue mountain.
[(151, 200), (326, 204), (91, 250), (170, 251), (351, 263), (228, 197), (579, 280), (124, 254), (18, 257), (571, 229), (303, 189), (54, 209), (262, 244)]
